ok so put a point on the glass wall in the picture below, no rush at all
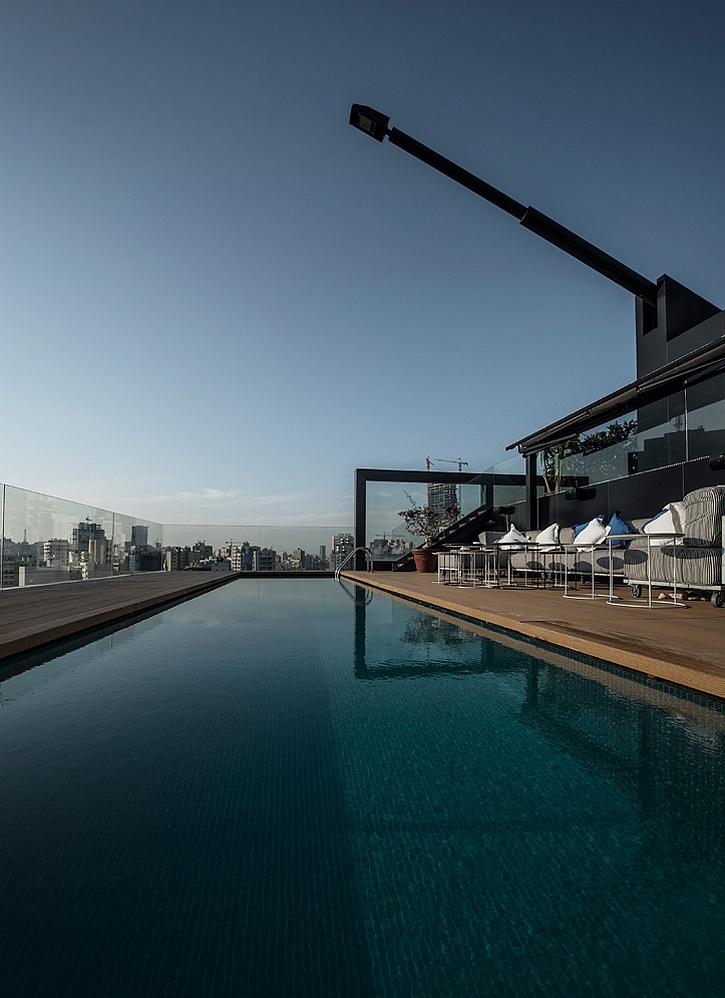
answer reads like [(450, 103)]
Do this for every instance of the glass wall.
[(386, 534), (44, 539), (706, 417), (599, 455), (49, 540), (686, 425)]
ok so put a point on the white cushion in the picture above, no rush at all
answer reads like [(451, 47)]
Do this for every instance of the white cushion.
[(669, 521), (679, 511), (593, 533), (549, 537), (513, 540)]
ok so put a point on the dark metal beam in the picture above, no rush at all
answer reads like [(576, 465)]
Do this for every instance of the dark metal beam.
[(374, 123)]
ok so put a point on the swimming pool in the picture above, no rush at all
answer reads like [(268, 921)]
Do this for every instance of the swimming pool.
[(297, 788)]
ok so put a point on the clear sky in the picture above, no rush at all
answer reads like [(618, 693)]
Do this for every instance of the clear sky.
[(217, 298)]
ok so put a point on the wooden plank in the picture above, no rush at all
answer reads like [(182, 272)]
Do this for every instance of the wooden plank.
[(37, 615)]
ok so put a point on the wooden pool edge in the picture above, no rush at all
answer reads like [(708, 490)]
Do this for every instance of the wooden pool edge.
[(652, 666), (67, 625)]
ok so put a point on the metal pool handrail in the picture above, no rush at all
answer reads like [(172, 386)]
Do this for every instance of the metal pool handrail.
[(349, 557)]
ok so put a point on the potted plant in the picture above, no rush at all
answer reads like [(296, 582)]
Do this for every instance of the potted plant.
[(424, 521)]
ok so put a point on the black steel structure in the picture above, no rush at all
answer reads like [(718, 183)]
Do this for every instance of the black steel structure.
[(487, 481), (680, 339)]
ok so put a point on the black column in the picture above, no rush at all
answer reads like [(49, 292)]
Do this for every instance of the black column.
[(532, 505), (360, 517)]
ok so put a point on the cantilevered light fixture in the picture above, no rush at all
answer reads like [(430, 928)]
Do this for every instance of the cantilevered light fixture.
[(373, 123)]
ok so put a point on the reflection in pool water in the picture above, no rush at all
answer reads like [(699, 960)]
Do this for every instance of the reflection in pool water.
[(320, 795)]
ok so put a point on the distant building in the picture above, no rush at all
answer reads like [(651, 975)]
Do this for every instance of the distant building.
[(146, 560), (241, 557), (55, 553), (10, 572), (323, 552), (90, 551), (84, 533), (441, 496), (139, 536), (176, 559), (202, 550), (389, 548), (264, 559), (342, 546)]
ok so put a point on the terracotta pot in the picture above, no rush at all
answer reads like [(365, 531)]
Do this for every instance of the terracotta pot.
[(425, 561)]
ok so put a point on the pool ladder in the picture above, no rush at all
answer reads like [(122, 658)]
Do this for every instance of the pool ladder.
[(349, 557)]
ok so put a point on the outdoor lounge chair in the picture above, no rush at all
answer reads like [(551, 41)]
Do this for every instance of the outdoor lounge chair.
[(694, 561)]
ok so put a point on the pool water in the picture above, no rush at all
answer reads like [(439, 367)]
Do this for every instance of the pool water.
[(297, 788)]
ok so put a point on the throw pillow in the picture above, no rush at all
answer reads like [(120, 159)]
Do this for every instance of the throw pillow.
[(593, 533), (619, 526), (679, 511), (549, 537), (663, 523), (513, 540)]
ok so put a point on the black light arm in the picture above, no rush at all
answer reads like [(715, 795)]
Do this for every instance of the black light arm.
[(369, 120)]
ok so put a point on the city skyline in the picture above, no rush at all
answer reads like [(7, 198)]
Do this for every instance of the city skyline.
[(89, 553)]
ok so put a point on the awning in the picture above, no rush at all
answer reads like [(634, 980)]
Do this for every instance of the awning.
[(698, 364)]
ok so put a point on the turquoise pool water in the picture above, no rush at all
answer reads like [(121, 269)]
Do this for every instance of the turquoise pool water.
[(292, 788)]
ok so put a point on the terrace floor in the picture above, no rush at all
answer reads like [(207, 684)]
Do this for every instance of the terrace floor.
[(34, 616), (681, 645)]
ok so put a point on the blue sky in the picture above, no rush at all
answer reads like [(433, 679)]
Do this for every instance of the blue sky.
[(217, 299)]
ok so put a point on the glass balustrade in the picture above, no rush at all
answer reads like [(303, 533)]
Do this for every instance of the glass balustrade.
[(44, 539), (47, 540), (686, 425)]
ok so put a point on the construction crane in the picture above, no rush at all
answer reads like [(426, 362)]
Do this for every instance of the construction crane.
[(447, 460)]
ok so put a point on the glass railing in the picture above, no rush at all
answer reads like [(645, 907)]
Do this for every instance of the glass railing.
[(507, 481), (44, 539), (687, 425), (705, 406), (387, 536)]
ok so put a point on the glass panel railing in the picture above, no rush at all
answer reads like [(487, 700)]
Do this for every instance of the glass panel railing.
[(45, 539), (646, 439), (706, 417), (601, 454), (386, 535), (508, 482), (386, 532), (661, 437)]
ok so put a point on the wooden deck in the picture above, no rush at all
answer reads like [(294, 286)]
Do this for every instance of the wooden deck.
[(38, 615), (684, 646)]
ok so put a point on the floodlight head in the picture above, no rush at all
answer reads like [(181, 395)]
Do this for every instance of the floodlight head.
[(367, 119)]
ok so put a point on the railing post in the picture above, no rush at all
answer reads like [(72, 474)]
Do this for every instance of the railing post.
[(532, 503)]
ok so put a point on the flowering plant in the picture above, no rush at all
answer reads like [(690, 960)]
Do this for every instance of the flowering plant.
[(424, 521)]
